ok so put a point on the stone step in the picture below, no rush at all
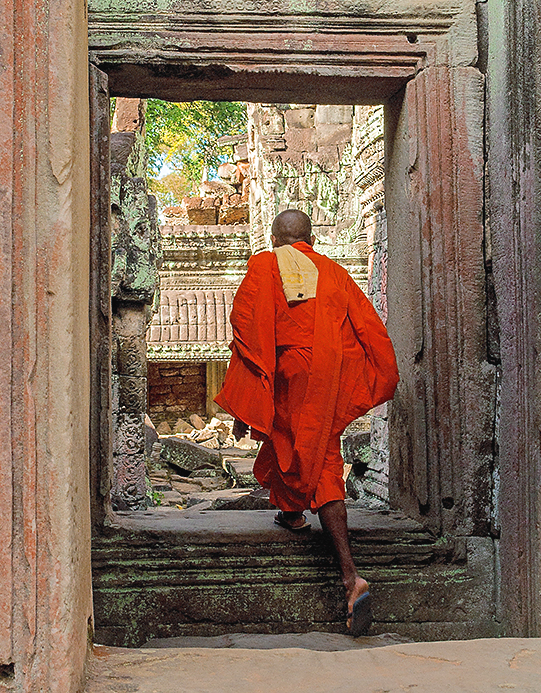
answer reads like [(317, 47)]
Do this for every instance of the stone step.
[(161, 574)]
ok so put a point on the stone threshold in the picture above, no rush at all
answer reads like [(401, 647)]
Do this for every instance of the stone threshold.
[(204, 526), (173, 573)]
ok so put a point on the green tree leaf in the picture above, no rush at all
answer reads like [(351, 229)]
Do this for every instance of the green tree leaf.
[(185, 136)]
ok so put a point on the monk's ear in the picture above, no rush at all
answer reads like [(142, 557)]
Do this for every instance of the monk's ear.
[(312, 239), (274, 240)]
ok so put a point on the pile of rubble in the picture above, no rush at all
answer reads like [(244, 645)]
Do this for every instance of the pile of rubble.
[(224, 201), (200, 463)]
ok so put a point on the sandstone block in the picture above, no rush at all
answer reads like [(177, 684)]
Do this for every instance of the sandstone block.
[(227, 172), (197, 422), (241, 152), (156, 390), (328, 158), (188, 456), (168, 372), (334, 114), (332, 135), (300, 118), (274, 143), (151, 435), (302, 140), (164, 429), (171, 498), (239, 214), (202, 216), (241, 470), (188, 370), (191, 202), (272, 122), (129, 115), (208, 202), (245, 195), (182, 426)]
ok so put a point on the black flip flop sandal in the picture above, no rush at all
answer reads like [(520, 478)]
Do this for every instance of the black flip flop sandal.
[(279, 519), (361, 616)]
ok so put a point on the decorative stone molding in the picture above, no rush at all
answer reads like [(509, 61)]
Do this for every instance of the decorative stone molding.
[(187, 351)]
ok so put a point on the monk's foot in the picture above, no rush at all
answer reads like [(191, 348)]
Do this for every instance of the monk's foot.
[(295, 521), (354, 589)]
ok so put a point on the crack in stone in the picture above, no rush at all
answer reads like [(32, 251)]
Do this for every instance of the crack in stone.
[(432, 659)]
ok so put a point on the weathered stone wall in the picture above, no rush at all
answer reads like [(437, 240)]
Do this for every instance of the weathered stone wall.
[(136, 256), (326, 161), (511, 58), (45, 587), (176, 390)]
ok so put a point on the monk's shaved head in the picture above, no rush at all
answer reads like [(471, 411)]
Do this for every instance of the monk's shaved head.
[(292, 226)]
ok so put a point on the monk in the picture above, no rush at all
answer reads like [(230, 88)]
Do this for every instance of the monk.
[(309, 355)]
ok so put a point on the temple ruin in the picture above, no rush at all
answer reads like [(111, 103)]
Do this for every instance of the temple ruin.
[(459, 554)]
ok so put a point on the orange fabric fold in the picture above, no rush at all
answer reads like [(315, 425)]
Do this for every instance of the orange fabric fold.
[(300, 373)]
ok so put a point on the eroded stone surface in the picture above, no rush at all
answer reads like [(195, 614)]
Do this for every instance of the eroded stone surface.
[(481, 665)]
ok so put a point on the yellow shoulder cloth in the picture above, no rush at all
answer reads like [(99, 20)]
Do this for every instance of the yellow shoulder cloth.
[(298, 273)]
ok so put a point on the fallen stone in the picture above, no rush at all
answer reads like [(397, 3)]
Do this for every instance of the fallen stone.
[(223, 416), (151, 435), (217, 498), (255, 500), (356, 448), (234, 451), (182, 426), (186, 487), (160, 486), (205, 434), (164, 429), (207, 473), (202, 217), (241, 470), (211, 443), (197, 422), (171, 498), (247, 443), (223, 437), (187, 456), (216, 483)]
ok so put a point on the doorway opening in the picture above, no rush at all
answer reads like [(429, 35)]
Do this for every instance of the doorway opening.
[(326, 160)]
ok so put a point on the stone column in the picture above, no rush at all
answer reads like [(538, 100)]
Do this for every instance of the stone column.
[(513, 254), (45, 580), (376, 479), (136, 254)]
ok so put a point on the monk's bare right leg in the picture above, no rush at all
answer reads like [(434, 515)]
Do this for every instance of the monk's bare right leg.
[(333, 518)]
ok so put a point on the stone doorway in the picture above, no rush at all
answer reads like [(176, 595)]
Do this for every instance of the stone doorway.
[(184, 269), (442, 452)]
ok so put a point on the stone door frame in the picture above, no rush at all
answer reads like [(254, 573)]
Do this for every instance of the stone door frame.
[(424, 70)]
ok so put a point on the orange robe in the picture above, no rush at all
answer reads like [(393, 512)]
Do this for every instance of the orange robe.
[(300, 373)]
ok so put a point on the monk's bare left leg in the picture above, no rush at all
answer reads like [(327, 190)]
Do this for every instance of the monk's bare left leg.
[(333, 518)]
